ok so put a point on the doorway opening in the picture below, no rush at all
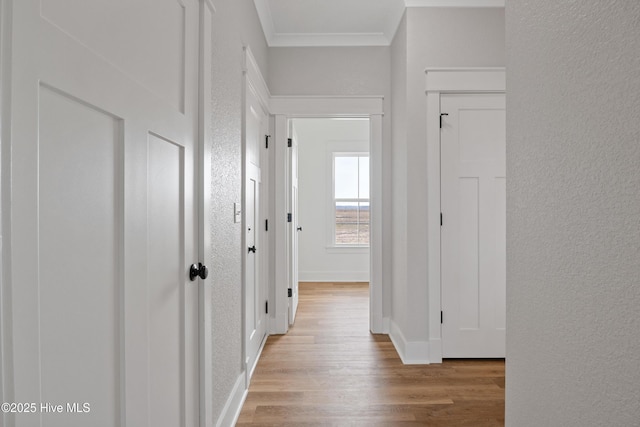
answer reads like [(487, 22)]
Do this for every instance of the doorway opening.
[(333, 199)]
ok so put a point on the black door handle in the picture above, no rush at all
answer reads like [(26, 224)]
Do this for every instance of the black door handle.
[(252, 249), (198, 270), (299, 228)]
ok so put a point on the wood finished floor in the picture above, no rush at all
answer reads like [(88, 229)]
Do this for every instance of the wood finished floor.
[(330, 371)]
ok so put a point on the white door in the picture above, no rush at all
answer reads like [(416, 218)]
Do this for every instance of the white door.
[(103, 215), (474, 223), (293, 228), (255, 288)]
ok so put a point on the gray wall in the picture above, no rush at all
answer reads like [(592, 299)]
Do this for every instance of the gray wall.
[(339, 71), (573, 213), (235, 24), (399, 173), (435, 37)]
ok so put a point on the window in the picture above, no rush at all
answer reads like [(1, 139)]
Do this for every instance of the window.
[(351, 199)]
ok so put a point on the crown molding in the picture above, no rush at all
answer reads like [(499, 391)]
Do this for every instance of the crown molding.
[(316, 40), (454, 3), (275, 39)]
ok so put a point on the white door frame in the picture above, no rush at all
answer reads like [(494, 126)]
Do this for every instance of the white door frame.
[(252, 78), (285, 108), (439, 81), (205, 253)]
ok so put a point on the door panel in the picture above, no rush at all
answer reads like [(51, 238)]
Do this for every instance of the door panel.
[(78, 257), (474, 221), (154, 57), (165, 270), (255, 286), (293, 228), (103, 219)]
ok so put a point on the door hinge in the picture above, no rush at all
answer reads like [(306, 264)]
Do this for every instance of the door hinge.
[(289, 219), (441, 318), (266, 225), (266, 141), (289, 292), (289, 142), (442, 114), (266, 307), (440, 219)]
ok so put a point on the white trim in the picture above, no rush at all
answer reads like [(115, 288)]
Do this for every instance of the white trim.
[(347, 249), (465, 80), (233, 406), (255, 79), (266, 19), (384, 38), (454, 3), (251, 369), (333, 276), (279, 317), (211, 5), (322, 106), (328, 39), (329, 106), (207, 10), (410, 352), (6, 327), (438, 81), (253, 82)]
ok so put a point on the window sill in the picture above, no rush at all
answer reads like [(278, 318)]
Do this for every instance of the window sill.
[(346, 249)]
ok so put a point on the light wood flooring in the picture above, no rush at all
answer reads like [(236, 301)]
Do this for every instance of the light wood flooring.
[(330, 371)]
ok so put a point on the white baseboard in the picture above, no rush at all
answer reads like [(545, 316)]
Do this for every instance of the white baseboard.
[(410, 352), (333, 276), (435, 350), (232, 408), (279, 324), (385, 325), (251, 369)]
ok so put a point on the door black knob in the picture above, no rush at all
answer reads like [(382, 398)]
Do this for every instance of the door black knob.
[(299, 228), (198, 270), (252, 249)]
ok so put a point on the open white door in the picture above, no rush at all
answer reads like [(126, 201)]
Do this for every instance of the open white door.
[(103, 118), (255, 288), (473, 227), (293, 226)]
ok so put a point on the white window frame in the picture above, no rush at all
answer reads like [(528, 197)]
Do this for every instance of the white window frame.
[(332, 246)]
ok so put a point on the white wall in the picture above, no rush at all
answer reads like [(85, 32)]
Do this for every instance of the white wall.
[(343, 71), (317, 139), (235, 24), (435, 37), (573, 213)]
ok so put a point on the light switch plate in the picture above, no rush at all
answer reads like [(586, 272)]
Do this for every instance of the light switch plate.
[(237, 212)]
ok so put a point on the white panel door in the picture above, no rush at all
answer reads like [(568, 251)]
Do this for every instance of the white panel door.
[(293, 228), (255, 285), (103, 125), (474, 223)]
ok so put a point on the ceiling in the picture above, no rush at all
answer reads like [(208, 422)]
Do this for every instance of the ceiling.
[(342, 22)]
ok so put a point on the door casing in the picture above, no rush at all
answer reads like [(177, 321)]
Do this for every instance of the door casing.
[(440, 81), (284, 109)]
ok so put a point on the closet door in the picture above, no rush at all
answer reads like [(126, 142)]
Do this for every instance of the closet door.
[(103, 118)]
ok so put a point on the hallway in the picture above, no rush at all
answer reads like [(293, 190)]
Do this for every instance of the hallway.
[(330, 371)]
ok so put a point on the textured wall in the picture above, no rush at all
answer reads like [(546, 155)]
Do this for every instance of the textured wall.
[(235, 24), (573, 213)]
